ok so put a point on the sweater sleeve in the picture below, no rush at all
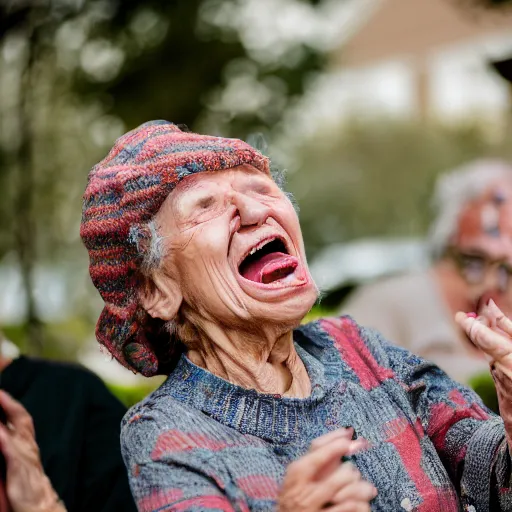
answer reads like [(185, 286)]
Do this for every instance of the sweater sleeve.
[(469, 438), (167, 471)]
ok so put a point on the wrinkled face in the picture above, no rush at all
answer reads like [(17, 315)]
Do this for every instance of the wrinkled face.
[(482, 248), (234, 248)]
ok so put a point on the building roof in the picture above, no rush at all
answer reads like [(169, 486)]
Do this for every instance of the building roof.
[(417, 27)]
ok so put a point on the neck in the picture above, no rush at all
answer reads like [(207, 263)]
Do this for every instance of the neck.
[(266, 361)]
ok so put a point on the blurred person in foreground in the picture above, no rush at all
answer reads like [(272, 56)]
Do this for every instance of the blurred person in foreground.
[(471, 243), (59, 439), (198, 255)]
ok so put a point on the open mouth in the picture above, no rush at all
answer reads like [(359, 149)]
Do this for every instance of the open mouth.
[(268, 262)]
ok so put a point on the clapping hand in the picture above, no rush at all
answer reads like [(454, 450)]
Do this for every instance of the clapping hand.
[(28, 489), (491, 332), (319, 481)]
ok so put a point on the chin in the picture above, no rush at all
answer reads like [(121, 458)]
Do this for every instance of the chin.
[(285, 307)]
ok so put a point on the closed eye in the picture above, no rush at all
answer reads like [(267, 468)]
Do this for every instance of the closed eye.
[(260, 187), (256, 185), (206, 202), (263, 190)]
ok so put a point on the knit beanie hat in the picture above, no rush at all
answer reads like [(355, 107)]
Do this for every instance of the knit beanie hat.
[(124, 192)]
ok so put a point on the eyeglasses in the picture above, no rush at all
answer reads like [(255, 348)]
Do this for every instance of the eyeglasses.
[(474, 268)]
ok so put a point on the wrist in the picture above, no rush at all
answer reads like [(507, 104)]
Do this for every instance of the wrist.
[(58, 506), (55, 505), (51, 501)]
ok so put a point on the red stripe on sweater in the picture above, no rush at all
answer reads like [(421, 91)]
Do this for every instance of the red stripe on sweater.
[(158, 499), (260, 487), (207, 502), (174, 441), (355, 353), (166, 501), (405, 439), (443, 416)]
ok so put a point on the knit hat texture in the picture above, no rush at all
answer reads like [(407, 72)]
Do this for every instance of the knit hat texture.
[(124, 192)]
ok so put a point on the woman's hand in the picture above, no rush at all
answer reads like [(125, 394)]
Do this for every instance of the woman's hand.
[(318, 481), (492, 333), (28, 488)]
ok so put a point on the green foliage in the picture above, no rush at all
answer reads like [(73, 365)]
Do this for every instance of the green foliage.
[(15, 333), (484, 387), (75, 75), (62, 339), (318, 311), (168, 57), (167, 80), (130, 395), (376, 179)]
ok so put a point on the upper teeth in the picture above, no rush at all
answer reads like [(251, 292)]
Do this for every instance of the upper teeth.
[(259, 246)]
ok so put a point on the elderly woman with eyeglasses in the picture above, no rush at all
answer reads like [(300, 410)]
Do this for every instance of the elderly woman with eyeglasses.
[(471, 246), (199, 258)]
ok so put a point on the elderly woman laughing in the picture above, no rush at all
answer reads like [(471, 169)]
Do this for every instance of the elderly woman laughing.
[(199, 258)]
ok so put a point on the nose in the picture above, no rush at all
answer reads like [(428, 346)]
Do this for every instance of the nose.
[(252, 212)]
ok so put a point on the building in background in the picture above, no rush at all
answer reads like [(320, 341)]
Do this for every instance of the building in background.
[(425, 59)]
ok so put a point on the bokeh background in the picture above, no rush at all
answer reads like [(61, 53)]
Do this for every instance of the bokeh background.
[(363, 102)]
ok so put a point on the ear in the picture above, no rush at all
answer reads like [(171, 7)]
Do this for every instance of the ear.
[(161, 297)]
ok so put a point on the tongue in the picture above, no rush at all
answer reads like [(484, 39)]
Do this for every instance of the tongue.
[(270, 267)]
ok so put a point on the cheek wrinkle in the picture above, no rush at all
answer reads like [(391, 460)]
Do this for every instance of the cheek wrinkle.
[(227, 289)]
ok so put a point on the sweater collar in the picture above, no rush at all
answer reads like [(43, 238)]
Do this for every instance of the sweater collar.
[(271, 417)]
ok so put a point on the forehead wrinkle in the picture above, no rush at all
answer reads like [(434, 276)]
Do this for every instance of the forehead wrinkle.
[(195, 182), (192, 179)]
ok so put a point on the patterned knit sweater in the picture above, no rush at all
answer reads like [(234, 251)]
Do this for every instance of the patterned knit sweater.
[(199, 443)]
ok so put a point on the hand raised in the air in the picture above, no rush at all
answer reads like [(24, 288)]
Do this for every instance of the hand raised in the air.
[(319, 481)]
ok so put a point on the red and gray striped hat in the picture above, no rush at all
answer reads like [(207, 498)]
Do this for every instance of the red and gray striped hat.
[(124, 192)]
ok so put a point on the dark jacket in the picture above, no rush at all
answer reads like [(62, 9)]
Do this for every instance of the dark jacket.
[(77, 423)]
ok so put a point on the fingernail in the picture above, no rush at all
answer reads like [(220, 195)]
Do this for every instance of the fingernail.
[(471, 315), (492, 304), (350, 432)]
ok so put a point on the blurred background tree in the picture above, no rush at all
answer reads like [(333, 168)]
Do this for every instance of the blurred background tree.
[(76, 74), (375, 179)]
